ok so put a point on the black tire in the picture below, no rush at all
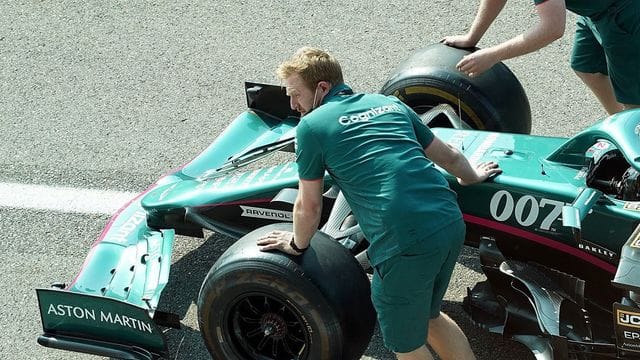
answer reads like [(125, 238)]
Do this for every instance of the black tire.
[(270, 305), (494, 101)]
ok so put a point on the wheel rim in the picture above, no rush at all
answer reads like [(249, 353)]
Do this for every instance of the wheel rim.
[(267, 328), (440, 120)]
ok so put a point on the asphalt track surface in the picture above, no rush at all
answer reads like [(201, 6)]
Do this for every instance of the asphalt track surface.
[(111, 95)]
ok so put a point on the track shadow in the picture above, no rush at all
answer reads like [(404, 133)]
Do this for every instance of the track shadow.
[(188, 272), (181, 294)]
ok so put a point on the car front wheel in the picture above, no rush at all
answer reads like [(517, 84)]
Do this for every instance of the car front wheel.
[(273, 306)]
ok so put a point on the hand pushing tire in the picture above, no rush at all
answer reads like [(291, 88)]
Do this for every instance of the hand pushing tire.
[(492, 101), (273, 306)]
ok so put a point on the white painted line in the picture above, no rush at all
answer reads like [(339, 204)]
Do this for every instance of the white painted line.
[(62, 199)]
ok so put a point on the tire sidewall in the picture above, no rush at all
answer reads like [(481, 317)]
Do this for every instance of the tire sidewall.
[(494, 100), (223, 288)]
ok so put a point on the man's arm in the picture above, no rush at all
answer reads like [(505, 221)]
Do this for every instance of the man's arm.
[(457, 165), (307, 211), (486, 15), (552, 14)]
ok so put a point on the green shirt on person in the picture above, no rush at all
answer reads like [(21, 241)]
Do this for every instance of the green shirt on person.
[(373, 147), (591, 8), (607, 41)]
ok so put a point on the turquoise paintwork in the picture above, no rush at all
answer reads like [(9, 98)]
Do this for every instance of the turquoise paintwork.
[(129, 263), (247, 131), (194, 193), (98, 317), (622, 129), (548, 172)]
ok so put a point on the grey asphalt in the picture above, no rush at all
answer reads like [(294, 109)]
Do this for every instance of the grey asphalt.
[(111, 95)]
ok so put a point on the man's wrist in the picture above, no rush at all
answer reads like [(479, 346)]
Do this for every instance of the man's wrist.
[(295, 247)]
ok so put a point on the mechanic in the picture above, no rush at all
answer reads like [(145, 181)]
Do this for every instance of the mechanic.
[(606, 46), (380, 154)]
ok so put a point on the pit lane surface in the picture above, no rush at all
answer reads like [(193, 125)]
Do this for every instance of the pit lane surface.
[(111, 95)]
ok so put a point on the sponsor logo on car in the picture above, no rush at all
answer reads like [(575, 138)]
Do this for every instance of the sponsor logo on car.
[(631, 335), (597, 250), (98, 315), (262, 213), (627, 327), (628, 318), (121, 234)]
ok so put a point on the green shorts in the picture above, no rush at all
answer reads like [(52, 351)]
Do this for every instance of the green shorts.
[(407, 289), (610, 44)]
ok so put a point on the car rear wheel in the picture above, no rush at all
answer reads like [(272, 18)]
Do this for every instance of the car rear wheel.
[(494, 100), (272, 306)]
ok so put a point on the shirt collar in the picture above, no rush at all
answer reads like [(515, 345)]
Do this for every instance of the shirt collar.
[(340, 89)]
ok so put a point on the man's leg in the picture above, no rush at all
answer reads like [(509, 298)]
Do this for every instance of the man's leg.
[(589, 62), (407, 291), (447, 339), (600, 85), (401, 291), (443, 334), (620, 35)]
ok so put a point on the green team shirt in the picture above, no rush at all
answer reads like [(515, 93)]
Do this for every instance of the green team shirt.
[(585, 7), (372, 146)]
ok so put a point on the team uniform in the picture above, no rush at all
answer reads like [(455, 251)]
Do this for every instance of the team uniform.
[(373, 147), (607, 41)]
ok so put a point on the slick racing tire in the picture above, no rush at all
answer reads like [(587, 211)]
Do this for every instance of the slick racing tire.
[(274, 306), (494, 100)]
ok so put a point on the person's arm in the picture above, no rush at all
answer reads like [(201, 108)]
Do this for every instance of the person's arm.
[(487, 13), (552, 15), (307, 211), (456, 164)]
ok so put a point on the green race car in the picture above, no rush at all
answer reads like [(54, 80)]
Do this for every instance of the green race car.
[(557, 234)]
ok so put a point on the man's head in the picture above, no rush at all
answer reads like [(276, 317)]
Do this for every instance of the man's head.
[(308, 76)]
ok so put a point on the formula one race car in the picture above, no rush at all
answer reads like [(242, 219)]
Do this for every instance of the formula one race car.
[(557, 233)]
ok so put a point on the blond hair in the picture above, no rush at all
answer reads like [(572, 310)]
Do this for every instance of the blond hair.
[(313, 65)]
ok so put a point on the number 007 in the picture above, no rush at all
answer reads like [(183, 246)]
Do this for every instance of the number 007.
[(525, 211)]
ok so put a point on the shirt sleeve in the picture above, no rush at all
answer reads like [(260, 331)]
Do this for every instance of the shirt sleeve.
[(308, 153)]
